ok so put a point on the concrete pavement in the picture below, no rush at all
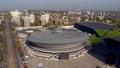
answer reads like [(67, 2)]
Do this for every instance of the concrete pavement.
[(86, 61)]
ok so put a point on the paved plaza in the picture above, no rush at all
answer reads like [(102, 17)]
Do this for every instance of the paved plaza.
[(85, 61)]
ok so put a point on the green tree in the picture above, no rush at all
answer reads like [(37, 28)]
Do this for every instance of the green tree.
[(22, 22), (0, 28), (1, 56), (118, 25), (36, 23)]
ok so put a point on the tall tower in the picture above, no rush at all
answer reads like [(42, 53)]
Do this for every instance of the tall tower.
[(26, 20)]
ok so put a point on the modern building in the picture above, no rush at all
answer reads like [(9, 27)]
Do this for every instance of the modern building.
[(90, 27), (15, 17), (58, 44), (113, 45)]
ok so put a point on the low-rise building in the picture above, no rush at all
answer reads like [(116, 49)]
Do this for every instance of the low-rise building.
[(90, 27)]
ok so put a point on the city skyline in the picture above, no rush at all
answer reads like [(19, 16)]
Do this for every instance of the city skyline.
[(60, 4)]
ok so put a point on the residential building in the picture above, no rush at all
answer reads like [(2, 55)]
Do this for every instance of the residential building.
[(44, 19), (26, 20), (32, 18), (15, 17)]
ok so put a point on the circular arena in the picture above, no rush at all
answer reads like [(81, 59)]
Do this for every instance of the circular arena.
[(57, 44)]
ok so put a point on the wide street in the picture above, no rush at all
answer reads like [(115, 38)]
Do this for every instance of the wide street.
[(5, 64), (10, 53)]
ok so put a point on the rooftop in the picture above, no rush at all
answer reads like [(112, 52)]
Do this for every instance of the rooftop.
[(64, 37), (117, 38), (95, 25)]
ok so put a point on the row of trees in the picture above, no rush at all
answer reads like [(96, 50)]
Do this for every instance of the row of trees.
[(1, 43), (19, 45), (1, 56)]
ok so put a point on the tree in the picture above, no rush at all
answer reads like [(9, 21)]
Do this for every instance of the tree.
[(118, 25), (20, 48), (0, 28), (83, 18), (58, 23), (13, 26), (1, 42), (36, 23), (1, 56), (22, 22)]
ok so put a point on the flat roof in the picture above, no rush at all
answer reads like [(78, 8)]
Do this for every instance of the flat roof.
[(96, 25), (26, 31), (117, 38)]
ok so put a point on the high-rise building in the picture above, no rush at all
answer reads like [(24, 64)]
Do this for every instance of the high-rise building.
[(15, 13), (88, 12), (32, 18), (26, 20), (16, 20), (44, 19), (15, 16)]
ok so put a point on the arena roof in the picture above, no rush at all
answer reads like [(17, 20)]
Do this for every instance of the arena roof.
[(65, 37)]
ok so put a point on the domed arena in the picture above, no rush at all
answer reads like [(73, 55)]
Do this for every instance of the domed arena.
[(59, 44)]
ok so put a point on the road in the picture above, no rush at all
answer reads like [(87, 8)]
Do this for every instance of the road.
[(4, 49), (10, 52)]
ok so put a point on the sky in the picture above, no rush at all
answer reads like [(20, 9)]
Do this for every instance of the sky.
[(60, 4)]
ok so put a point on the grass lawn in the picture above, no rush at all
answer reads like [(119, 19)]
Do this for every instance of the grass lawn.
[(104, 34), (109, 34), (100, 32), (94, 40)]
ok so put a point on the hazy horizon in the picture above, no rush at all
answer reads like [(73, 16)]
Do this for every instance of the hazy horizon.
[(60, 4)]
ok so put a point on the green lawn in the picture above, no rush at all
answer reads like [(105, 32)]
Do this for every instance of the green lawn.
[(104, 34), (112, 34), (109, 34), (94, 40), (100, 32)]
